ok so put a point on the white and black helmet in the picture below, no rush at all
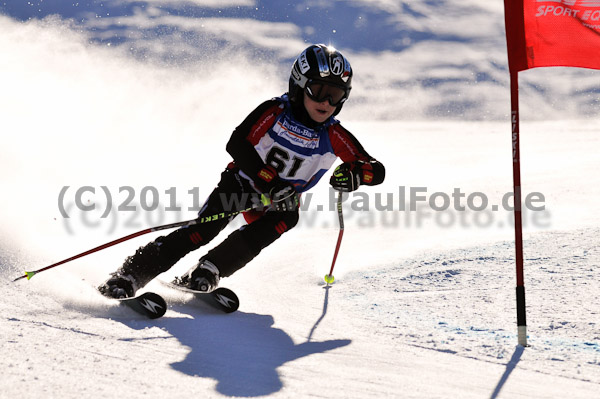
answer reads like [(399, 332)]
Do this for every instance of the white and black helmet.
[(324, 73)]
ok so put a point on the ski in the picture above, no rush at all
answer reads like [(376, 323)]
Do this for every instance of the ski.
[(222, 299), (148, 304)]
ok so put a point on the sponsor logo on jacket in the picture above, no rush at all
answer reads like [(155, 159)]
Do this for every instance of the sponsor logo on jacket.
[(296, 134)]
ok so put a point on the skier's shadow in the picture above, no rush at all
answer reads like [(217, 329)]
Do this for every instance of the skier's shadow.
[(241, 351)]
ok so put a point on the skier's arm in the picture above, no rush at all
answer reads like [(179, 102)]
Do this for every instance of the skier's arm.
[(246, 136), (358, 167)]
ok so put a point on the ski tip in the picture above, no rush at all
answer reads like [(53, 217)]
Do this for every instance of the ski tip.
[(148, 304), (226, 299)]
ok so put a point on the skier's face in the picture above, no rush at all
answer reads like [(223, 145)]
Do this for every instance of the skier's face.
[(318, 112)]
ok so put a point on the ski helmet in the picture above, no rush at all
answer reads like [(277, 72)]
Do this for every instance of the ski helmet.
[(324, 73)]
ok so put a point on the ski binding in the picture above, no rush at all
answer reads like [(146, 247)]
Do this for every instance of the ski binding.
[(222, 299)]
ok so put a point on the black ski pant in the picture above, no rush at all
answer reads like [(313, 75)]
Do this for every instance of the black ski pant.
[(233, 193)]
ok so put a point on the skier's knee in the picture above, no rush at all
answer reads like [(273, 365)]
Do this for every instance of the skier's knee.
[(287, 222)]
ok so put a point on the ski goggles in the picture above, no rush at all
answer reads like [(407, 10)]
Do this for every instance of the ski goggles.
[(319, 92)]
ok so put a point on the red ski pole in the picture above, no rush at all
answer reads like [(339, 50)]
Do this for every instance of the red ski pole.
[(329, 279), (29, 275)]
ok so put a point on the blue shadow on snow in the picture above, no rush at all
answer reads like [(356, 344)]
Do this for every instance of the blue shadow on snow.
[(510, 366), (240, 351)]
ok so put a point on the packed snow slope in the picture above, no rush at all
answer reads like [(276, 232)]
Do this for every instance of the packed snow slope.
[(130, 104)]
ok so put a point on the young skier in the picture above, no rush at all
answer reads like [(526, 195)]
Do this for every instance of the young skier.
[(279, 151)]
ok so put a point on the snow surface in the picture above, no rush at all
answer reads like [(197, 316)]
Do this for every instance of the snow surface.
[(423, 305)]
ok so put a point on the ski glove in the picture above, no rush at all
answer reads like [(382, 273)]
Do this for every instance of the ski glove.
[(346, 177), (283, 197), (266, 178)]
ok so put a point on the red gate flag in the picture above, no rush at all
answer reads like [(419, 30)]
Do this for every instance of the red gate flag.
[(543, 33)]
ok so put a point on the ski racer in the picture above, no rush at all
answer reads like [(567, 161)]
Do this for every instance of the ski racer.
[(282, 149)]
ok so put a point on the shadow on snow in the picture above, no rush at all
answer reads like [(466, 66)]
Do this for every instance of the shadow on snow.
[(240, 351), (510, 366)]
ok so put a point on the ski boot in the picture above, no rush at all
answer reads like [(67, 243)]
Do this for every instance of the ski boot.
[(137, 270), (202, 277), (118, 286)]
